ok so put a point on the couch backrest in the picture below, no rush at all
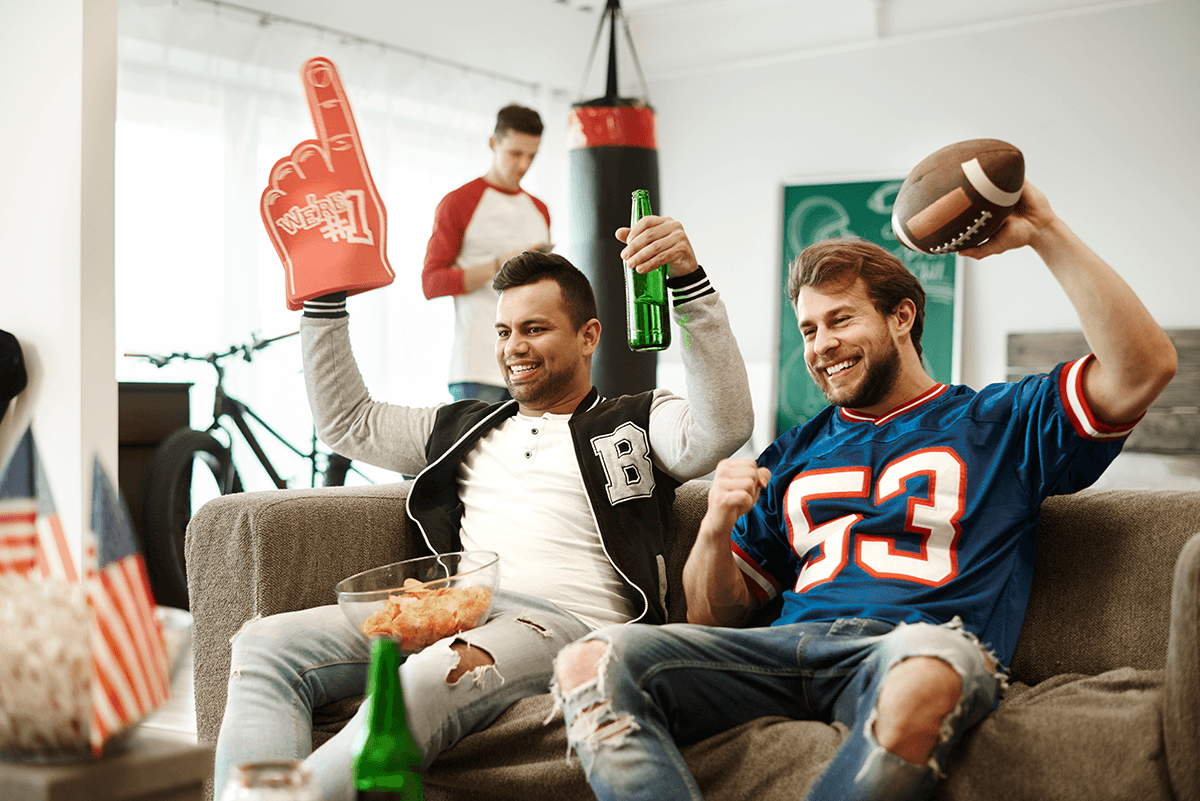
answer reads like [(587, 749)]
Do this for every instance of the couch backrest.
[(1101, 596), (1101, 591), (691, 501)]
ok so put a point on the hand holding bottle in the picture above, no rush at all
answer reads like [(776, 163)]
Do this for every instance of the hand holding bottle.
[(647, 305), (654, 241)]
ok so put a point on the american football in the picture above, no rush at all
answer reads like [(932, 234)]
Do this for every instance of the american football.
[(957, 197)]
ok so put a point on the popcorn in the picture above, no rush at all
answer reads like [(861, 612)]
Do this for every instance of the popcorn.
[(45, 668)]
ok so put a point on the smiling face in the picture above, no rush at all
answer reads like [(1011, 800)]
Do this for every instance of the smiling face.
[(545, 359), (850, 347)]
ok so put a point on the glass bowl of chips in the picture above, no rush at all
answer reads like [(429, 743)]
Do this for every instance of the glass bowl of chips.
[(419, 601)]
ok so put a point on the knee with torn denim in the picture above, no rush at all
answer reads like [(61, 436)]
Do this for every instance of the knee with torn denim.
[(914, 701), (579, 684)]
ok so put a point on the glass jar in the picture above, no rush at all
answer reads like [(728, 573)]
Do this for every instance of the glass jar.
[(279, 780)]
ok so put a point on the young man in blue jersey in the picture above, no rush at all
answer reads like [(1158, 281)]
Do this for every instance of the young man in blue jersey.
[(898, 525)]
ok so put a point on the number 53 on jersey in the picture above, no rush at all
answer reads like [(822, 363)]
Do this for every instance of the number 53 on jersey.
[(931, 520)]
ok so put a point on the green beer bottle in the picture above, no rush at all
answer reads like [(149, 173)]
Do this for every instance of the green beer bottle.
[(387, 762), (648, 309)]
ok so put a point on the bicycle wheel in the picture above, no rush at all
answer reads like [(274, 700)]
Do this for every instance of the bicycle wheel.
[(335, 470), (172, 490)]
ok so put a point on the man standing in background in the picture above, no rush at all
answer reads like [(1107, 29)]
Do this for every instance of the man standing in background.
[(476, 228)]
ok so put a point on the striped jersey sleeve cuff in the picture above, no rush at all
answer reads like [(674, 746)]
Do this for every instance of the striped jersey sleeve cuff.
[(689, 287), (760, 582), (1079, 411), (326, 306)]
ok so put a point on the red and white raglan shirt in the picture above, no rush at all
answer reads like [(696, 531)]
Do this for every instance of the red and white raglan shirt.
[(926, 513), (475, 223)]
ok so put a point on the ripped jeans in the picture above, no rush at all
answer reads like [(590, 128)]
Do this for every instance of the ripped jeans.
[(285, 666), (660, 687)]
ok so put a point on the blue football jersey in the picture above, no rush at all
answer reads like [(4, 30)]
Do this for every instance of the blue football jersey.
[(925, 513)]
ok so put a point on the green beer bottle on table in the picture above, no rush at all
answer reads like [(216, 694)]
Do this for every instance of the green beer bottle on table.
[(387, 762), (647, 306)]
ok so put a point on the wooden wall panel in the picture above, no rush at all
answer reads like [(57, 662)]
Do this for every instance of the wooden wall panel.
[(1171, 426)]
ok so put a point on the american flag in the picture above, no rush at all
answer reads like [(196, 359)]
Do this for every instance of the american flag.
[(32, 541), (130, 672)]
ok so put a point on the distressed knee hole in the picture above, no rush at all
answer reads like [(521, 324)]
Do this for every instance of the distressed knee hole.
[(471, 659), (916, 704), (580, 663), (597, 726)]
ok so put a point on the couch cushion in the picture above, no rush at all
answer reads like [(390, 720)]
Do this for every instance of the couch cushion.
[(1093, 738), (1073, 737), (518, 758)]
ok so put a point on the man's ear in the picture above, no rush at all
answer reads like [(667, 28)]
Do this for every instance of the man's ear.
[(904, 316), (591, 336)]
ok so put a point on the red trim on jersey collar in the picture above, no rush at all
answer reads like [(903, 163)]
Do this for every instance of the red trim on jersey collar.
[(861, 417)]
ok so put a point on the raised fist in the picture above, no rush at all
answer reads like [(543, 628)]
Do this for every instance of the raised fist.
[(321, 208)]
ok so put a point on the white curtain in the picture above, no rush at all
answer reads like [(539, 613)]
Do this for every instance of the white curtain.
[(209, 98)]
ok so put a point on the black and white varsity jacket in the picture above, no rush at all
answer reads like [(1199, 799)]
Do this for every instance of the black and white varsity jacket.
[(630, 498)]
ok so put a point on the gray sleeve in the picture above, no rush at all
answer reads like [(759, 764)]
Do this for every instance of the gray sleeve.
[(688, 437), (347, 420)]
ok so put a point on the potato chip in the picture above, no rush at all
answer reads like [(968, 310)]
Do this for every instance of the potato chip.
[(421, 615)]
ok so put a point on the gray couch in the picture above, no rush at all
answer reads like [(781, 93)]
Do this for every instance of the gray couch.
[(1105, 694)]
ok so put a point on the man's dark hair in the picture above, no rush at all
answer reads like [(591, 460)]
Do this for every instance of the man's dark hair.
[(844, 259), (533, 266), (519, 119)]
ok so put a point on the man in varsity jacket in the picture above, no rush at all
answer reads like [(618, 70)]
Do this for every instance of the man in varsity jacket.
[(573, 490)]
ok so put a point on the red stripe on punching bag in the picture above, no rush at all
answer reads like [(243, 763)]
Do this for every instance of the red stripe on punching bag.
[(622, 126)]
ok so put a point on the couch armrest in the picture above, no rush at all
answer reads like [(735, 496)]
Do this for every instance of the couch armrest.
[(1181, 696), (260, 553)]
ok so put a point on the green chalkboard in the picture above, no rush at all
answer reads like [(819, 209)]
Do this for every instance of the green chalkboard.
[(816, 211)]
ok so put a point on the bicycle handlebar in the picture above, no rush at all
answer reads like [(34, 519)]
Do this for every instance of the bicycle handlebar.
[(212, 358)]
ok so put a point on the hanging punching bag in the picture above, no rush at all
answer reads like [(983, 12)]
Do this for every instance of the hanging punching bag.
[(612, 152)]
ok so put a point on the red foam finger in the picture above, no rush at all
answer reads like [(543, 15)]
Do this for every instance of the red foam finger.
[(332, 116), (321, 208)]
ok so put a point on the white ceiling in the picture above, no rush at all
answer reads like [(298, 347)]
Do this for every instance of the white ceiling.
[(674, 37), (911, 15), (547, 41)]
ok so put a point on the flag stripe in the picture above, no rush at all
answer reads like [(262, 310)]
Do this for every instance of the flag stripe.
[(124, 581), (105, 720), (122, 667), (130, 660), (18, 536), (151, 627), (18, 507), (54, 558), (139, 660), (105, 702), (109, 671)]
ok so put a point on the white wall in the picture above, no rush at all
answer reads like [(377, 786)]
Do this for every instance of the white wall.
[(1103, 103), (1099, 95), (56, 237)]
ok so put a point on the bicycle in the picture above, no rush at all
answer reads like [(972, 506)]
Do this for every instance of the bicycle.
[(171, 483)]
